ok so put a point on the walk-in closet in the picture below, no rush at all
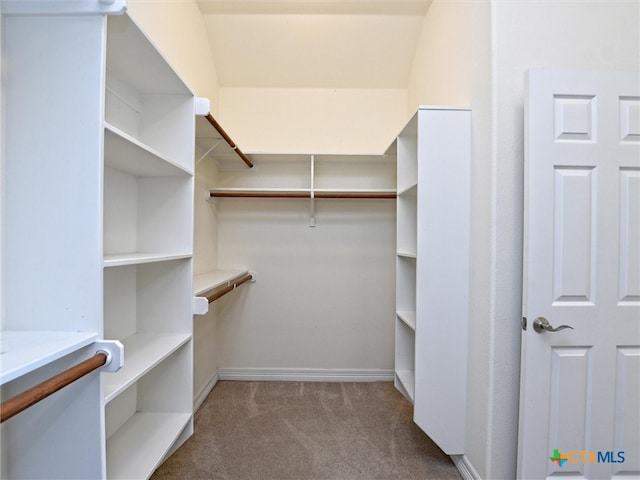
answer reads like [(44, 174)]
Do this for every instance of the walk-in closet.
[(302, 217)]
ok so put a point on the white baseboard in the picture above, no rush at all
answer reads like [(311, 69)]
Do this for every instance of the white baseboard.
[(202, 395), (305, 375), (465, 468)]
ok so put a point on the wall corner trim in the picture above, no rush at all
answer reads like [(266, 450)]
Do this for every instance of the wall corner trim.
[(199, 399), (465, 468)]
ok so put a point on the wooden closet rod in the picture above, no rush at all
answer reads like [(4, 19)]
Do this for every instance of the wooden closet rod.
[(301, 195), (354, 195), (216, 295), (226, 137), (30, 397)]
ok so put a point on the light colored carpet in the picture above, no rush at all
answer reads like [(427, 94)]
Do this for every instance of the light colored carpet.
[(306, 431)]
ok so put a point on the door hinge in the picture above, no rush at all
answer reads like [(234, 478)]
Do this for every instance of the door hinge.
[(523, 323)]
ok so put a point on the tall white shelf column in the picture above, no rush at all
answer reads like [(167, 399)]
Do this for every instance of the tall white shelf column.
[(97, 235), (432, 270)]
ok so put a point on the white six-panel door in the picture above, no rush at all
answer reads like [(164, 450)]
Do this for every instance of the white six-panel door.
[(580, 387)]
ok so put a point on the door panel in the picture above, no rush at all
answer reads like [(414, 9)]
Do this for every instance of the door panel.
[(629, 278), (573, 246), (579, 413)]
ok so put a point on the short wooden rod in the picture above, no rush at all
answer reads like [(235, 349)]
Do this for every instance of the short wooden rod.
[(30, 397), (223, 291), (216, 295), (227, 139)]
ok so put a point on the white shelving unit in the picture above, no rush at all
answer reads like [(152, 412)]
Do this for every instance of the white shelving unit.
[(432, 270), (295, 175), (406, 253), (305, 176), (97, 228), (308, 174), (148, 237)]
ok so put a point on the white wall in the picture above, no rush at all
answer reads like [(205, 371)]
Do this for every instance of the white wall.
[(324, 296), (481, 345), (312, 120), (441, 69)]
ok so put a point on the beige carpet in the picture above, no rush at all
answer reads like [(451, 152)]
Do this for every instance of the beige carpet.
[(306, 431)]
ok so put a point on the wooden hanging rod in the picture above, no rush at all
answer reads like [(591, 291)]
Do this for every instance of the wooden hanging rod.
[(354, 195), (227, 139), (275, 194), (30, 397), (216, 295)]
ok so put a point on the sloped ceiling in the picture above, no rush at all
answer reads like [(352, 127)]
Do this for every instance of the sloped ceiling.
[(313, 43)]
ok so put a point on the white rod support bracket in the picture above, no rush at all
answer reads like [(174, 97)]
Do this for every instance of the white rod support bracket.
[(202, 106), (312, 213), (200, 306), (253, 277), (208, 151), (115, 354)]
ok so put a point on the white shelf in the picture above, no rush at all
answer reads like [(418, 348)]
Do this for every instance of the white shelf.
[(406, 254), (125, 153), (409, 318), (25, 351), (356, 190), (137, 258), (305, 192), (137, 448), (364, 191), (407, 380), (208, 281), (142, 353)]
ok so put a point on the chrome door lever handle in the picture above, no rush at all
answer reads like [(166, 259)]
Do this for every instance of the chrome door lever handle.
[(541, 325)]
